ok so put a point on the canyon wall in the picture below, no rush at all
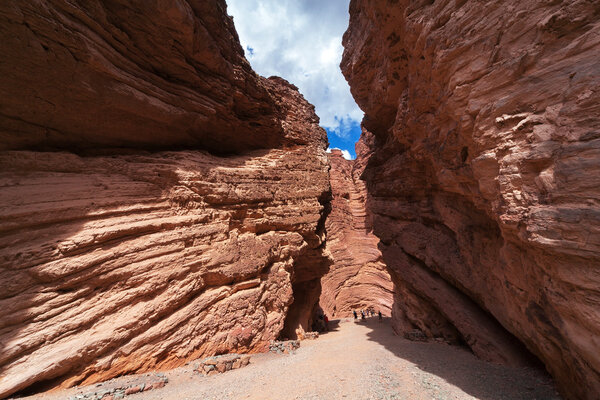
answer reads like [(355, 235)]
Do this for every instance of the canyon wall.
[(358, 278), (159, 201), (121, 73), (483, 172)]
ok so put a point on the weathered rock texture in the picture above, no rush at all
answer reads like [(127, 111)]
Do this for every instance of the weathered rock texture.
[(83, 74), (115, 260), (358, 278), (484, 171)]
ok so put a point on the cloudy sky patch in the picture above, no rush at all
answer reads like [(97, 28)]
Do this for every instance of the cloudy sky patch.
[(345, 153), (301, 41)]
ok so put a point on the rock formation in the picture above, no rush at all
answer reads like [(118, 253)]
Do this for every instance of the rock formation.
[(357, 279), (115, 260), (122, 73), (483, 171)]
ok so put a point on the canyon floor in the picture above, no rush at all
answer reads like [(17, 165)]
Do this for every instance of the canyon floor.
[(355, 360)]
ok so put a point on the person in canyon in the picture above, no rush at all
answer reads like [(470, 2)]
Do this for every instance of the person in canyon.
[(355, 315), (380, 316), (362, 314)]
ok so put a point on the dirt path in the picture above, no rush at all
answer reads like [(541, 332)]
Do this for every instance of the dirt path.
[(359, 361)]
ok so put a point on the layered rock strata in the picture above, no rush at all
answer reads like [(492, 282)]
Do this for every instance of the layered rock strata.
[(358, 278), (115, 260), (483, 171), (124, 73)]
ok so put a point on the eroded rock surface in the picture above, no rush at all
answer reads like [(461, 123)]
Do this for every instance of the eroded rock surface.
[(124, 73), (483, 171), (358, 278), (114, 260)]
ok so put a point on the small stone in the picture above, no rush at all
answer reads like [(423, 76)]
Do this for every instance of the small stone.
[(132, 390), (208, 368), (221, 367), (236, 364), (158, 384)]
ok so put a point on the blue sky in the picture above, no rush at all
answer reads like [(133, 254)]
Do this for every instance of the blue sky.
[(301, 41)]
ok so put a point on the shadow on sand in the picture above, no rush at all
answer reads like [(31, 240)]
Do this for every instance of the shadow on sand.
[(332, 326), (459, 367)]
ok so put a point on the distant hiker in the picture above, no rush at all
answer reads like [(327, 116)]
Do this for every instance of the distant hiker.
[(326, 323), (362, 314), (355, 316), (380, 316)]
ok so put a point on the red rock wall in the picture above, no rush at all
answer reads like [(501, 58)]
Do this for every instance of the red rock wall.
[(115, 260), (358, 278), (124, 73), (483, 169)]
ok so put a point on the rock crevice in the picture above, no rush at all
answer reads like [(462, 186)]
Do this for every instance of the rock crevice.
[(358, 278)]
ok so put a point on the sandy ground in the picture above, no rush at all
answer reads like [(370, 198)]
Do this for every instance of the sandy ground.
[(363, 360)]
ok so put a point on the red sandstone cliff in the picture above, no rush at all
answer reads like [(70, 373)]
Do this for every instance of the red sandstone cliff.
[(123, 73), (113, 260), (483, 171), (357, 279)]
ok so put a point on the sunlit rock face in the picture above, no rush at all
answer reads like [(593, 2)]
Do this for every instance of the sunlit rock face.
[(483, 173), (358, 278), (115, 260)]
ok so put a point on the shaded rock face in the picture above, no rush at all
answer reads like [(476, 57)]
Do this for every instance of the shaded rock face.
[(482, 175), (358, 278), (122, 73), (118, 261)]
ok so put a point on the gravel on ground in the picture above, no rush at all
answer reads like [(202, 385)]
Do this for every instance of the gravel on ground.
[(357, 360)]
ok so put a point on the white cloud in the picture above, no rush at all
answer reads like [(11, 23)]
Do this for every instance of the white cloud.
[(301, 41), (345, 153)]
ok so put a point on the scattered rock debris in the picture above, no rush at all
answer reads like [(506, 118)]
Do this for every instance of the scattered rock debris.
[(219, 364), (416, 335), (117, 389), (309, 336), (284, 346)]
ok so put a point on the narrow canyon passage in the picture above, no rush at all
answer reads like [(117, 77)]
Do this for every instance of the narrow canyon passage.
[(162, 203), (357, 360)]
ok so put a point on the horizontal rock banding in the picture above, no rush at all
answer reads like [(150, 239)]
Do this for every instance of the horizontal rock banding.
[(142, 262), (358, 278), (115, 260), (167, 74)]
